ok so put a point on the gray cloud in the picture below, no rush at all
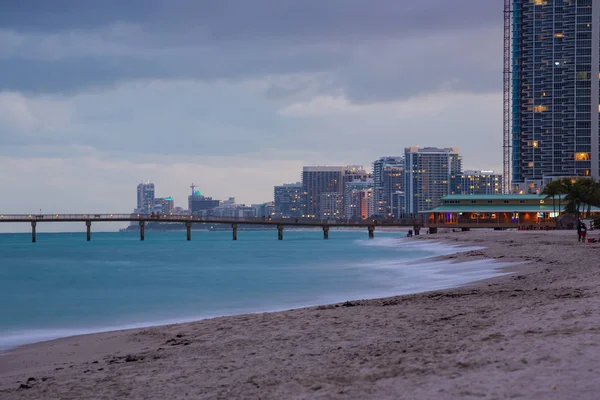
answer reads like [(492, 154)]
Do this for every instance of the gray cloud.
[(370, 50)]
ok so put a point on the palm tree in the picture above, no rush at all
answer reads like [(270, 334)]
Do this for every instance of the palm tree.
[(553, 189)]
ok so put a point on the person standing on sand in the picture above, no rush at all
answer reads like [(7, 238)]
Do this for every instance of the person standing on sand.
[(583, 232), (579, 231)]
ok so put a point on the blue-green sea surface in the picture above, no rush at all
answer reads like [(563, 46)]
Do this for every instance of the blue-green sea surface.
[(63, 285)]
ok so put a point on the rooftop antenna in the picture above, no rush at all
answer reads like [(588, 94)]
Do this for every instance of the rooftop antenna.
[(193, 187)]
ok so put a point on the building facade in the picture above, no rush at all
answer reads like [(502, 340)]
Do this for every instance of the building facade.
[(555, 91), (388, 177), (429, 175), (331, 205), (287, 200), (477, 182), (145, 197), (316, 181), (353, 196)]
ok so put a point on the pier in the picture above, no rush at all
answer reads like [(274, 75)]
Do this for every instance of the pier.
[(188, 220)]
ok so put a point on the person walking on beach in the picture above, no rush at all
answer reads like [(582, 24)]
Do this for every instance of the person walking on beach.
[(579, 231), (583, 232)]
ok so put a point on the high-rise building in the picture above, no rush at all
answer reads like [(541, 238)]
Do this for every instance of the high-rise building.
[(477, 182), (398, 204), (199, 204), (145, 197), (287, 200), (429, 173), (555, 92), (331, 205), (353, 196), (367, 203), (388, 176), (318, 180)]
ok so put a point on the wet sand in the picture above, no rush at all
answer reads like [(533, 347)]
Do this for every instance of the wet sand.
[(533, 334)]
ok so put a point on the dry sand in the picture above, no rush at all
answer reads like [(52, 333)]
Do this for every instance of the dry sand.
[(531, 335)]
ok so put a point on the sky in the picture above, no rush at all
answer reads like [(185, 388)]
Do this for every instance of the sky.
[(233, 95)]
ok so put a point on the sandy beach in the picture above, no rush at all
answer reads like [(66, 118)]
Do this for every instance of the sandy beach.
[(533, 334)]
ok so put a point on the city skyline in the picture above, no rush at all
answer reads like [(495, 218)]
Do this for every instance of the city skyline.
[(93, 101)]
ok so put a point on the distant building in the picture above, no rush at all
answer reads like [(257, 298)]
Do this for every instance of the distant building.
[(388, 175), (145, 197), (264, 209), (316, 181), (429, 174), (478, 182), (331, 205), (353, 196), (367, 204), (287, 200), (398, 204), (168, 205), (199, 204)]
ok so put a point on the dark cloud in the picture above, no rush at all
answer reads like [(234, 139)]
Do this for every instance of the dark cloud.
[(235, 39)]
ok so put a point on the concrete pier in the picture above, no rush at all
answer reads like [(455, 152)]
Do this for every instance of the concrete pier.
[(33, 237), (142, 226), (325, 232), (88, 225), (188, 228), (279, 232), (234, 227), (371, 231)]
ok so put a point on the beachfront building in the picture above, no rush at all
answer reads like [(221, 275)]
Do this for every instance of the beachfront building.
[(478, 182), (527, 211), (555, 91), (388, 177), (428, 176), (145, 197), (398, 204), (353, 196), (316, 181), (287, 200), (331, 205), (199, 204), (367, 203)]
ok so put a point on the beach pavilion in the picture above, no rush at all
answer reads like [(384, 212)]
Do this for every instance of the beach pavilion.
[(501, 211)]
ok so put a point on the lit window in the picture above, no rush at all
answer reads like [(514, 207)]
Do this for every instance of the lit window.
[(531, 164), (559, 35), (582, 156), (539, 109)]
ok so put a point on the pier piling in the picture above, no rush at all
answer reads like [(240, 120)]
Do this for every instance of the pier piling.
[(371, 231), (188, 228), (142, 225), (325, 232), (279, 232), (33, 237), (88, 225), (234, 227)]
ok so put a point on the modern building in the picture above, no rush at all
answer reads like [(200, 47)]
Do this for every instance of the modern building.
[(429, 173), (388, 176), (287, 200), (264, 209), (555, 93), (316, 181), (353, 196), (199, 204), (477, 182), (331, 205), (164, 205), (367, 204), (398, 204), (145, 197)]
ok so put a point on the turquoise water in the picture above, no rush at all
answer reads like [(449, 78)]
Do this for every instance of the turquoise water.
[(63, 285)]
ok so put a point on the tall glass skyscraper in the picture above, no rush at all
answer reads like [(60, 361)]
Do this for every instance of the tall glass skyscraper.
[(555, 91)]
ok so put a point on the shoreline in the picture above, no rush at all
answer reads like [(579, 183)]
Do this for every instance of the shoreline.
[(52, 334), (529, 334)]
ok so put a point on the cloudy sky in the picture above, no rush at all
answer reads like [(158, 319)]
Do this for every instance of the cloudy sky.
[(234, 95)]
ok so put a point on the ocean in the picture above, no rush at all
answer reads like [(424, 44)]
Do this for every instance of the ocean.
[(63, 286)]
